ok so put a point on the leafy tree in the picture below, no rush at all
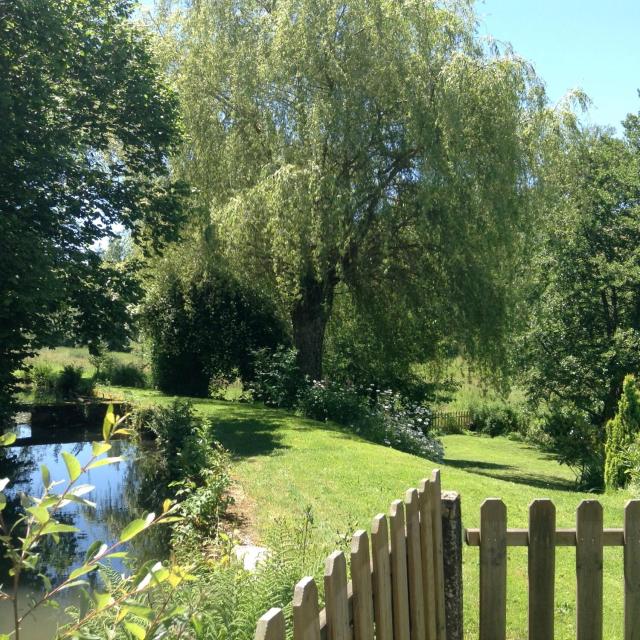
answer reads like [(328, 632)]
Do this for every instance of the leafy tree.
[(370, 145), (621, 432), (583, 336), (86, 125), (202, 324)]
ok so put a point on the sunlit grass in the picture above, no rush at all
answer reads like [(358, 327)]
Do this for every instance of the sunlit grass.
[(285, 464)]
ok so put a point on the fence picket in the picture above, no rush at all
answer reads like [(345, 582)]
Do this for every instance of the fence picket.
[(632, 570), (399, 583), (306, 622), (542, 555), (589, 570), (493, 570), (428, 557), (336, 597), (271, 626), (361, 580), (382, 600), (414, 566), (438, 562)]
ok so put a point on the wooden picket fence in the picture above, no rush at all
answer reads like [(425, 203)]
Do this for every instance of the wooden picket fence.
[(589, 537), (396, 586), (404, 587), (457, 419)]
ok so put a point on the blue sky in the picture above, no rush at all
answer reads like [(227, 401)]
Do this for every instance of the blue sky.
[(593, 45)]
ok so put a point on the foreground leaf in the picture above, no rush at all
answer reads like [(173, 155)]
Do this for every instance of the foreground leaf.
[(73, 465), (7, 439)]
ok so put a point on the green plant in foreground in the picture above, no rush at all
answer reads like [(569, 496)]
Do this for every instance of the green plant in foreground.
[(125, 600)]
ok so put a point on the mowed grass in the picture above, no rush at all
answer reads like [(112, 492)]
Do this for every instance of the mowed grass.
[(285, 464)]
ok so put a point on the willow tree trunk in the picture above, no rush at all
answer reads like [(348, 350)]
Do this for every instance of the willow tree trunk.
[(309, 319)]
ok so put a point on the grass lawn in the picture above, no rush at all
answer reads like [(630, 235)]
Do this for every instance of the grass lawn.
[(284, 464)]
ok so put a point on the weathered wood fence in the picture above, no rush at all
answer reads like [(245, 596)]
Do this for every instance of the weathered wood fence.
[(457, 419), (397, 587), (589, 537), (406, 577)]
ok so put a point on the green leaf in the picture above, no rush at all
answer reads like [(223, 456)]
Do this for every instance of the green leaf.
[(102, 600), (80, 571), (56, 527), (104, 461), (46, 581), (3, 501), (98, 448), (46, 476), (93, 549), (133, 529), (138, 610), (138, 632), (3, 483), (74, 583), (108, 423), (73, 466), (40, 514), (7, 439)]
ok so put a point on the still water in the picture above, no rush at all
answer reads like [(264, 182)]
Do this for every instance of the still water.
[(118, 495)]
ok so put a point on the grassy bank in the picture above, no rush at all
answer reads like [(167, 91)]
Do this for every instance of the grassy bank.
[(284, 464), (79, 357)]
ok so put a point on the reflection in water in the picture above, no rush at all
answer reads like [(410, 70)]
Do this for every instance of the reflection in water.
[(117, 497)]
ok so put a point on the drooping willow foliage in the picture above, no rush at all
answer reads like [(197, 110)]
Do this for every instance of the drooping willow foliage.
[(374, 145)]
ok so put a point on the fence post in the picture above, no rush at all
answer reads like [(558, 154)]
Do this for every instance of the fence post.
[(306, 624), (632, 570), (589, 570), (452, 555), (271, 626), (493, 570), (542, 558)]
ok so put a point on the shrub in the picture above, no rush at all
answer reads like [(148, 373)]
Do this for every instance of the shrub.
[(406, 426), (43, 380), (203, 325), (70, 384), (576, 442), (277, 379), (325, 400), (496, 419), (119, 374), (380, 416), (190, 460), (620, 433), (67, 384)]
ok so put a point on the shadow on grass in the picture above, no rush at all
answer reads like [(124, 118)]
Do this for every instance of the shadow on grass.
[(246, 438), (509, 473)]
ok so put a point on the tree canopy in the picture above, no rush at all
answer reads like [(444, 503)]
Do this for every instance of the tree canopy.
[(583, 334), (86, 127), (374, 145)]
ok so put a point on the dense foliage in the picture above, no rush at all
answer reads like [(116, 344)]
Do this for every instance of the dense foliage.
[(622, 430), (67, 384), (204, 325), (325, 158), (191, 466), (86, 125), (584, 327)]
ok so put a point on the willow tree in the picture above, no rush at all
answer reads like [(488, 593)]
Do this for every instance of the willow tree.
[(372, 144)]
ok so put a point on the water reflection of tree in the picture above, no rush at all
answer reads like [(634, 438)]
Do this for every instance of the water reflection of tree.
[(137, 497)]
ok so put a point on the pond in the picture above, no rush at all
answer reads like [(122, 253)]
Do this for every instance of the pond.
[(118, 492)]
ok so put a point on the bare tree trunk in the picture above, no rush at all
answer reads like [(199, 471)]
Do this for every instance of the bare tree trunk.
[(309, 318)]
